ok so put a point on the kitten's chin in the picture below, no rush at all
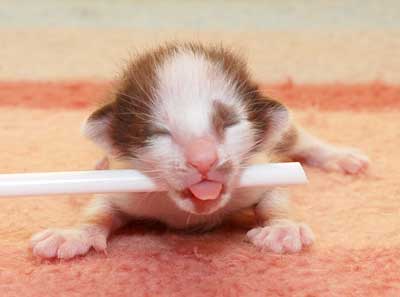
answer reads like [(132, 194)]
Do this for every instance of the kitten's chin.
[(187, 202)]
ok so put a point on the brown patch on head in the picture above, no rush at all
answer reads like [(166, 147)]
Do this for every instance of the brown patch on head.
[(129, 115), (223, 116), (131, 125)]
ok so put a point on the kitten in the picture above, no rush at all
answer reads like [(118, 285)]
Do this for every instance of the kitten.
[(191, 118)]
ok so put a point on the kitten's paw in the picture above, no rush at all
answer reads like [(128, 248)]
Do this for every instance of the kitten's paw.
[(68, 243), (282, 237), (347, 161)]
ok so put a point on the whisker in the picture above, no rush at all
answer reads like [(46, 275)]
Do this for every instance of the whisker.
[(188, 219)]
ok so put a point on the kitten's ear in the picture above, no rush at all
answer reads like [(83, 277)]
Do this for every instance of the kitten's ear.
[(97, 127), (271, 119)]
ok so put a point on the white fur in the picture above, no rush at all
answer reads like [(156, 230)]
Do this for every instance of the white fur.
[(187, 86)]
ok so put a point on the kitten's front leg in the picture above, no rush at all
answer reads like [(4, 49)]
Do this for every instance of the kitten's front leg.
[(277, 232), (308, 149), (100, 220)]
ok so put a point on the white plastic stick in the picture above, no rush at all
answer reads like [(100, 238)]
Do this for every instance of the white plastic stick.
[(127, 180)]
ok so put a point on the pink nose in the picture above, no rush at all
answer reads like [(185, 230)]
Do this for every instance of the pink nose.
[(202, 154)]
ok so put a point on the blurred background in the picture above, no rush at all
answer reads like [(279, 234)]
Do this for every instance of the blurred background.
[(306, 41)]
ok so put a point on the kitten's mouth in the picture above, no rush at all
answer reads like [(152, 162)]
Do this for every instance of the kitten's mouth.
[(206, 190), (205, 195)]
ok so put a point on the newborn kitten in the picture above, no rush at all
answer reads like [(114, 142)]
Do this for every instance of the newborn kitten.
[(191, 118)]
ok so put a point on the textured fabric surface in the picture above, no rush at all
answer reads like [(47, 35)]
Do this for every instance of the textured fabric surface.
[(356, 219)]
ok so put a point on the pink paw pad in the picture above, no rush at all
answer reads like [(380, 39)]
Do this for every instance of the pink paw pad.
[(287, 237), (67, 243)]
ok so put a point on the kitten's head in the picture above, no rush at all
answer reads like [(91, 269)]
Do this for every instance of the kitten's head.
[(189, 117)]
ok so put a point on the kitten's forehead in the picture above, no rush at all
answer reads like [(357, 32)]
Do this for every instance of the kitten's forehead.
[(188, 83)]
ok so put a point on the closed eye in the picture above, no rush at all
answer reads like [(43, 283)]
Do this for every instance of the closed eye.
[(159, 131), (230, 122)]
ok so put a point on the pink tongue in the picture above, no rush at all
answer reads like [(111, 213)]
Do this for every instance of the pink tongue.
[(206, 190)]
